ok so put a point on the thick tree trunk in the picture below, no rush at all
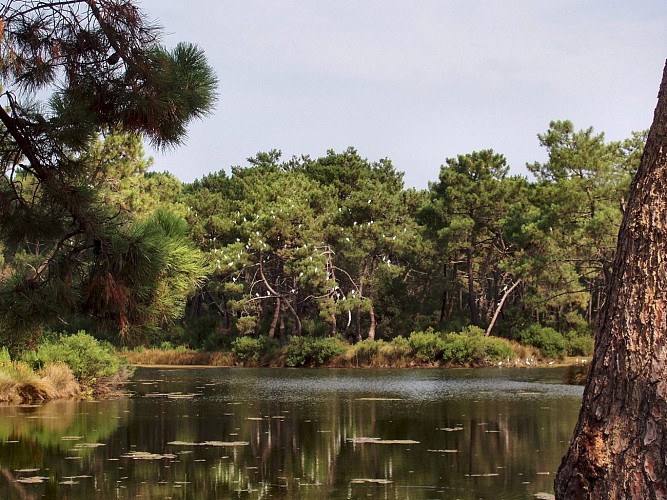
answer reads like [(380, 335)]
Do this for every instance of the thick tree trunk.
[(619, 446)]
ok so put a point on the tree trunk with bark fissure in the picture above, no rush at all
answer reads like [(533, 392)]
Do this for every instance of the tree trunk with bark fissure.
[(619, 448)]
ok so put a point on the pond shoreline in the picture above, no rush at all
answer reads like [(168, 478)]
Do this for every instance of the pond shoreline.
[(160, 358)]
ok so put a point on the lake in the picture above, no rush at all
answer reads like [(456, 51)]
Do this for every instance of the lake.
[(297, 433)]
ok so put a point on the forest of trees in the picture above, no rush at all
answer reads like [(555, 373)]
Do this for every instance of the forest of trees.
[(337, 246), (330, 246)]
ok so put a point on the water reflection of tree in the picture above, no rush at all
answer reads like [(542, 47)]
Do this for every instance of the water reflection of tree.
[(306, 449), (57, 440)]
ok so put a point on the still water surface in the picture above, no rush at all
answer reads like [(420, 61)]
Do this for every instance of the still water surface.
[(311, 434)]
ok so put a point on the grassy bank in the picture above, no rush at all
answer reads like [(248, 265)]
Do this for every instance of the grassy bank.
[(72, 366), (421, 349)]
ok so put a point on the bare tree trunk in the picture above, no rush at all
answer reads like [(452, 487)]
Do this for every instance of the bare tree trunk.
[(274, 320), (372, 327), (334, 325), (445, 294), (620, 441), (281, 321), (500, 307), (472, 299)]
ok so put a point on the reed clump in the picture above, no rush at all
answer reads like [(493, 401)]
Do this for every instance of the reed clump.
[(178, 356), (19, 383)]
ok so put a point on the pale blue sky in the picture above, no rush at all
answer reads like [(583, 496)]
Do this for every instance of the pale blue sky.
[(416, 81)]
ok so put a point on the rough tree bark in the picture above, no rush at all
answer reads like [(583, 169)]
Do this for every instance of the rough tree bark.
[(619, 446)]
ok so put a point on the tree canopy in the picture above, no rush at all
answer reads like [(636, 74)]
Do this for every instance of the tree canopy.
[(104, 80)]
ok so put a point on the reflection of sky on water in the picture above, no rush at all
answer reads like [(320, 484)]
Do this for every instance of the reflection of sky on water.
[(310, 434), (415, 385)]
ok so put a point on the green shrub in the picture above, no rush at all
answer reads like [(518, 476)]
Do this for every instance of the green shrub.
[(396, 350), (366, 350), (426, 346), (472, 347), (550, 343), (250, 350), (309, 351), (580, 345), (473, 331), (88, 358), (246, 349), (400, 345), (5, 358)]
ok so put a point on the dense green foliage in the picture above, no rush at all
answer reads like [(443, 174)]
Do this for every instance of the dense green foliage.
[(88, 358), (312, 351), (62, 366), (313, 250), (81, 242)]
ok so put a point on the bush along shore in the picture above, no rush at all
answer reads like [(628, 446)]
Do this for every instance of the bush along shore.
[(467, 348), (62, 366)]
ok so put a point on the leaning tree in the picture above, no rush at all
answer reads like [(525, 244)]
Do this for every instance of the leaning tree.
[(619, 448), (99, 69)]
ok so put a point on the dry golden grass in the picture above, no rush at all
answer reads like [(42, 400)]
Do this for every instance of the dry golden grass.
[(20, 384), (178, 357), (62, 380)]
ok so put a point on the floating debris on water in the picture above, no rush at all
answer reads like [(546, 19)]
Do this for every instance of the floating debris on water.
[(444, 451), (210, 443), (379, 399), (145, 455), (451, 429), (172, 395), (88, 445), (375, 440), (71, 438), (370, 480), (489, 474), (32, 479)]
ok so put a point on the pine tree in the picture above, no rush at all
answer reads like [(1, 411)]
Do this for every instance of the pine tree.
[(620, 441), (107, 73)]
